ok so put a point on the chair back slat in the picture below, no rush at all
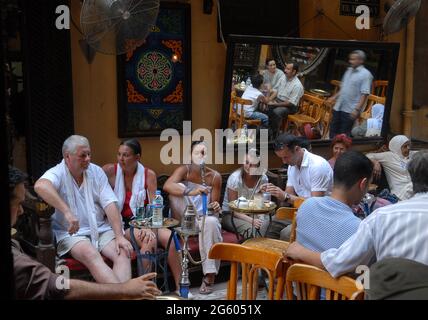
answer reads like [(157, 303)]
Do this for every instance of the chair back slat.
[(340, 288), (251, 260)]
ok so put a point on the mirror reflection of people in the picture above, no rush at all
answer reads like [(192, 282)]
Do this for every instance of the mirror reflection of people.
[(35, 281), (340, 144), (254, 94), (241, 183), (272, 77), (394, 163), (290, 92), (352, 96), (309, 175), (372, 127), (186, 182), (135, 186), (86, 222)]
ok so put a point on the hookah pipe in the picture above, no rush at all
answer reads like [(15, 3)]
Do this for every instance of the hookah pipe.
[(184, 282)]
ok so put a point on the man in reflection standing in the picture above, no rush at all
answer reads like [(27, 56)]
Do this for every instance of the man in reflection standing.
[(351, 99)]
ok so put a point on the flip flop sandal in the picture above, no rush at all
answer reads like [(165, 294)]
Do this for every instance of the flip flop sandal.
[(206, 287)]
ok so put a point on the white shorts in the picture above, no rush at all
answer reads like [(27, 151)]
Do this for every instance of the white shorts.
[(66, 244)]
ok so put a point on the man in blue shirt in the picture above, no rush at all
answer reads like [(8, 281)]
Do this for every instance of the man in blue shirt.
[(352, 96), (327, 222)]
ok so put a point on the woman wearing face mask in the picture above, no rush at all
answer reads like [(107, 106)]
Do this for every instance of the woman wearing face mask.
[(191, 181), (394, 162), (241, 184), (340, 144)]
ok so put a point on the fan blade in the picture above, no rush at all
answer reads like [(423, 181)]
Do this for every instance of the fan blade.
[(109, 25), (399, 15)]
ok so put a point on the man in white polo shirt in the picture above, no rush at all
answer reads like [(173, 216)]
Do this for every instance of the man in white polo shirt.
[(309, 175)]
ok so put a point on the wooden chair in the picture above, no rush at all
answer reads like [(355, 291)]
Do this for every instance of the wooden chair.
[(308, 281), (311, 111), (336, 84), (371, 101), (238, 117), (379, 88), (278, 246), (251, 260)]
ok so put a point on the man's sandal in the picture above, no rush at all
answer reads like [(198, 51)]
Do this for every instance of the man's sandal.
[(206, 287)]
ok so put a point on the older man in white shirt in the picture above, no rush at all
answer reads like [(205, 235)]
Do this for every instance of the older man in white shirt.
[(309, 175), (399, 230), (86, 221)]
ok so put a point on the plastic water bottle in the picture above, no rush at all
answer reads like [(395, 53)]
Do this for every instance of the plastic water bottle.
[(157, 218), (245, 130)]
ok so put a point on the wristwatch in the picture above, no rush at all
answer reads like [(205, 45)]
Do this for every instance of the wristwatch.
[(286, 196)]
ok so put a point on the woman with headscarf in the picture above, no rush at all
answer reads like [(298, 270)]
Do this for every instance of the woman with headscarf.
[(394, 162), (373, 126)]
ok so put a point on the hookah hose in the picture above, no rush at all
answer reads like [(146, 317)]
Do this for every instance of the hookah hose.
[(176, 242)]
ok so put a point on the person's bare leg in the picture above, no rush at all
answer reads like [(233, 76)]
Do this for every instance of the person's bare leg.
[(173, 255), (84, 252), (121, 261), (144, 246)]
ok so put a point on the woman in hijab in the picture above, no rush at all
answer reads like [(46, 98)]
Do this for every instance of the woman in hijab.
[(373, 126), (394, 162)]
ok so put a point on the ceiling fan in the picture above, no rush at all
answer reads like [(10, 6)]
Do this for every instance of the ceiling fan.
[(114, 26), (399, 12)]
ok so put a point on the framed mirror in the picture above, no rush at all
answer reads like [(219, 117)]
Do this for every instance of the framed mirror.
[(321, 66)]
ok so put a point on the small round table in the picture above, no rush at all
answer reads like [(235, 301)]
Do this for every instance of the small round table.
[(320, 93), (252, 211), (157, 255)]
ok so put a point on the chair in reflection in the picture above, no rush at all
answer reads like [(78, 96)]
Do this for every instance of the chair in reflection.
[(307, 281), (311, 111), (251, 260), (237, 118), (379, 88), (336, 84)]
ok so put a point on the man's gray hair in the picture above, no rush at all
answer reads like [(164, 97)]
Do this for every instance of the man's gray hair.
[(72, 143), (360, 53), (418, 170)]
